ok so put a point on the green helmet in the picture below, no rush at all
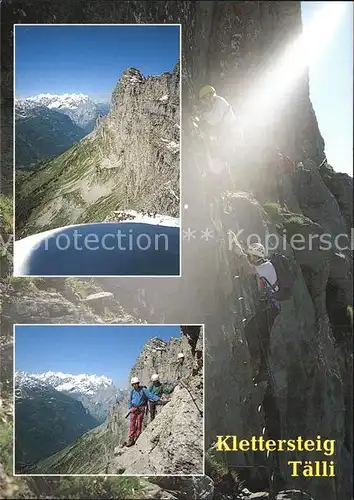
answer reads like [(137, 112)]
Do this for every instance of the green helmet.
[(206, 90)]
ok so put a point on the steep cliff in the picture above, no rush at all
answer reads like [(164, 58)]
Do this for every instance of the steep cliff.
[(130, 161), (160, 357)]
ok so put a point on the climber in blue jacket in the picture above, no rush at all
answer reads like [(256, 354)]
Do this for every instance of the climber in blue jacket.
[(139, 397)]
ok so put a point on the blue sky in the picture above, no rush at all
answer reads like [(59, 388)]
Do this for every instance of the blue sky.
[(331, 88), (89, 59), (93, 349)]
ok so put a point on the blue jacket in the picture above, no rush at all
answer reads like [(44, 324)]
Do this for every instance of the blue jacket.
[(140, 397)]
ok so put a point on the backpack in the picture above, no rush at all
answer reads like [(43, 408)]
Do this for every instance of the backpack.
[(286, 275)]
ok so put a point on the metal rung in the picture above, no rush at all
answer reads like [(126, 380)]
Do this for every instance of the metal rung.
[(241, 298), (259, 408), (263, 431), (244, 320), (236, 277)]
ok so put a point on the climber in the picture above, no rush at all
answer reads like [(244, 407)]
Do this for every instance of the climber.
[(219, 122), (159, 389), (258, 328), (180, 366), (139, 397)]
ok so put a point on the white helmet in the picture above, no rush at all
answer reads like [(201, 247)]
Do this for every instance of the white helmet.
[(135, 380), (257, 249), (154, 377), (180, 355)]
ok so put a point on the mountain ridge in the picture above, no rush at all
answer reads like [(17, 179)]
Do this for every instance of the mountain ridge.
[(79, 107), (130, 161), (96, 393)]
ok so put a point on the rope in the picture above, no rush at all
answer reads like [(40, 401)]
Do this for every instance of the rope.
[(185, 387)]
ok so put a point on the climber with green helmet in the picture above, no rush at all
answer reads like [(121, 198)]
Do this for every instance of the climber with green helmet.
[(216, 111)]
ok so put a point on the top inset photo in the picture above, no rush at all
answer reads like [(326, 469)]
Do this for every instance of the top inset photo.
[(97, 121)]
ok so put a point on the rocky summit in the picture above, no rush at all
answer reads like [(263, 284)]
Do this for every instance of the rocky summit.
[(130, 161)]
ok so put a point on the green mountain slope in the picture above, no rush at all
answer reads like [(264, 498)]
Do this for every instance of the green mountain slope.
[(42, 133), (46, 421), (90, 453)]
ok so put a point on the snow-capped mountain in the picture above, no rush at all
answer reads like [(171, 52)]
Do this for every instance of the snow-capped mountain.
[(24, 108), (96, 393), (79, 107)]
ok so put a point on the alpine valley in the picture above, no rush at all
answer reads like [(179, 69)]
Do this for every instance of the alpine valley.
[(46, 125), (54, 408)]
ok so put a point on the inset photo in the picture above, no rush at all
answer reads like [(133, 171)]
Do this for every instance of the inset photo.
[(109, 399), (97, 118)]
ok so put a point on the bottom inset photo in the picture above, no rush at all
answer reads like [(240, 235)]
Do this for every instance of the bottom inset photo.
[(109, 399)]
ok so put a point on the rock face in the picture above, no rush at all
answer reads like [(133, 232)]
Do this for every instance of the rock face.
[(55, 301), (224, 43), (130, 161), (160, 357), (173, 442)]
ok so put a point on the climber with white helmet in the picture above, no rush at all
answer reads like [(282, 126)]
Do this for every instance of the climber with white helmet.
[(138, 400), (275, 284), (159, 389), (218, 118), (180, 369)]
